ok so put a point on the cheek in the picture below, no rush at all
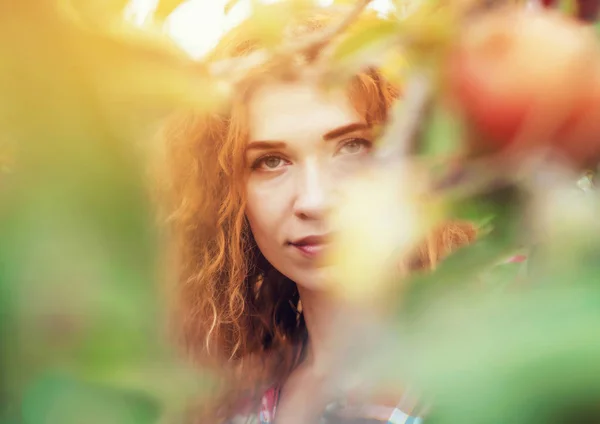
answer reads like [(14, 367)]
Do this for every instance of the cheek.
[(352, 164), (266, 212)]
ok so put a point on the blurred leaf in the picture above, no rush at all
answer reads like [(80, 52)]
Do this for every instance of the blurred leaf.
[(519, 357), (230, 5), (268, 21), (481, 213), (7, 158), (503, 275), (568, 7), (488, 356), (344, 2), (56, 399), (404, 7), (79, 247), (134, 76), (444, 133), (97, 10), (164, 8), (430, 28), (394, 66), (465, 266), (172, 382), (367, 35)]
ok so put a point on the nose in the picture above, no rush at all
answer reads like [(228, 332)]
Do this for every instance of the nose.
[(313, 195)]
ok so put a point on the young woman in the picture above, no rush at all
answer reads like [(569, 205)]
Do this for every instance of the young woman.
[(249, 192)]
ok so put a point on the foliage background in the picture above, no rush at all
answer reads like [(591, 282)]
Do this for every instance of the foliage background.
[(82, 315)]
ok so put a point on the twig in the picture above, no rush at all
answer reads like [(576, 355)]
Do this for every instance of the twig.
[(323, 38), (407, 121), (311, 43)]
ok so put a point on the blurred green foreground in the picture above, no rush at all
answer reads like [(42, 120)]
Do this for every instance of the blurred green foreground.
[(83, 334)]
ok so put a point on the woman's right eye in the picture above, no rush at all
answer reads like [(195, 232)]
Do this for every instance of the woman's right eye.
[(268, 163)]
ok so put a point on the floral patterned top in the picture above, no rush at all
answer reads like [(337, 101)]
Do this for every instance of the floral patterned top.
[(374, 413)]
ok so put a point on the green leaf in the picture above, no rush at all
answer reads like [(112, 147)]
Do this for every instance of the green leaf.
[(503, 275), (568, 7), (465, 266), (56, 399), (268, 21), (444, 134), (370, 34), (78, 251), (518, 356)]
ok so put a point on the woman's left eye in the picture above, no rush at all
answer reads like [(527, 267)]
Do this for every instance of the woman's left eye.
[(354, 146)]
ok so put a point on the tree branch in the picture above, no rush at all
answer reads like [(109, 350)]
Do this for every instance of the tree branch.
[(323, 38), (310, 44), (407, 120)]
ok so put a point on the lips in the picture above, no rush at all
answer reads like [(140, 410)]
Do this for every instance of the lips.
[(311, 246)]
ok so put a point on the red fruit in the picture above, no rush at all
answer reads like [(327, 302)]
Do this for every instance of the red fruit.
[(587, 10), (580, 138), (526, 78)]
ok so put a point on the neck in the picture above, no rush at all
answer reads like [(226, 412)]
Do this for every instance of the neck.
[(332, 325)]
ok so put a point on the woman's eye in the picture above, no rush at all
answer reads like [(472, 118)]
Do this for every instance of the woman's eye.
[(272, 162), (268, 163), (354, 146)]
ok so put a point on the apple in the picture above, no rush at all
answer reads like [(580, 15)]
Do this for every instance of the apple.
[(587, 10), (524, 78)]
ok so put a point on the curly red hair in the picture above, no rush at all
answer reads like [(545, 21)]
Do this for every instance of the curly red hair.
[(232, 307)]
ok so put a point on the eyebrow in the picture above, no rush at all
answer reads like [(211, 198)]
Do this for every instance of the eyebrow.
[(265, 145), (338, 132), (335, 133)]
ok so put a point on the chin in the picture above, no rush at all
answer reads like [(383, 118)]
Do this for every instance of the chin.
[(311, 279)]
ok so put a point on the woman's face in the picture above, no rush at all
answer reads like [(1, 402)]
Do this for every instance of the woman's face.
[(302, 143)]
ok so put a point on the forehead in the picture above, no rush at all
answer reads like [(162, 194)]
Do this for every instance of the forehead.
[(298, 109)]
